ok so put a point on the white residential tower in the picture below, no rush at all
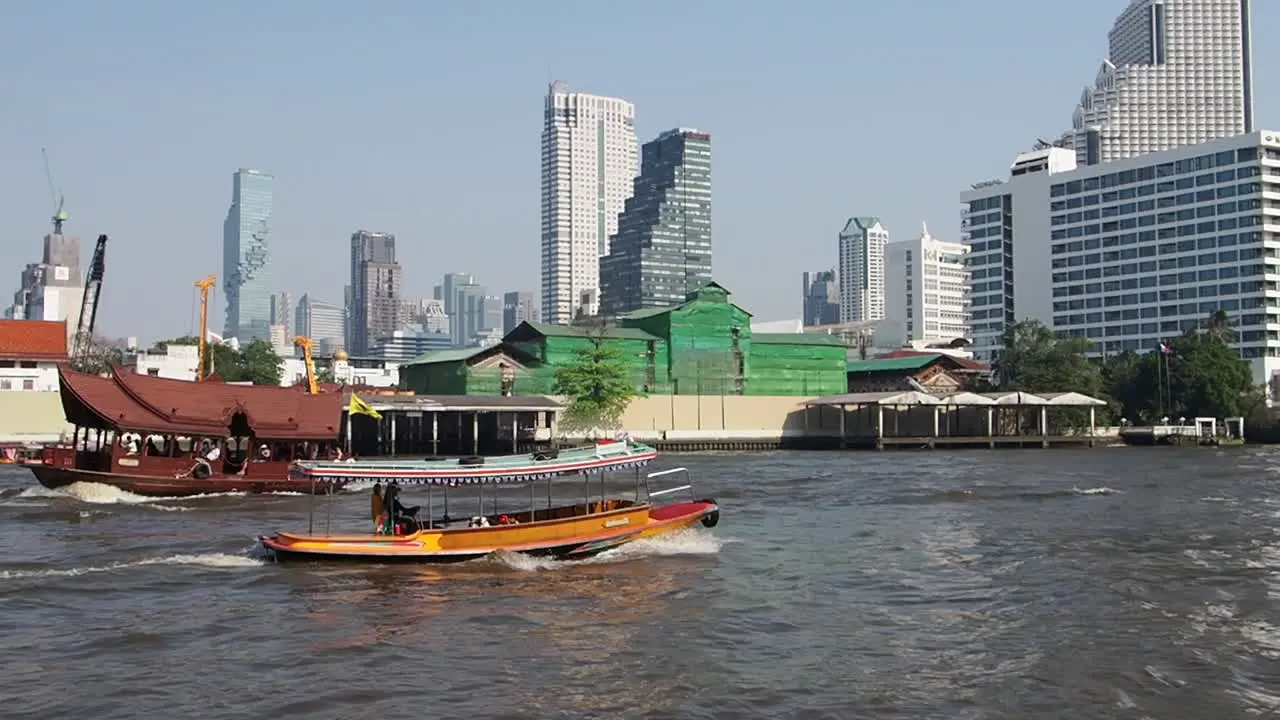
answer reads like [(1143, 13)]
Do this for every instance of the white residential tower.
[(862, 243), (589, 162), (1179, 73), (927, 289)]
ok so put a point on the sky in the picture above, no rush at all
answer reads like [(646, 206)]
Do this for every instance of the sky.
[(423, 119)]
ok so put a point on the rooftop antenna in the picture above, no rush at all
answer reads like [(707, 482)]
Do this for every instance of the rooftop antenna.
[(59, 215)]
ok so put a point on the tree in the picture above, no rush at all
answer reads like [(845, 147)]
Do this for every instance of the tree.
[(1035, 360), (102, 356), (258, 363), (324, 374), (1196, 374), (597, 384)]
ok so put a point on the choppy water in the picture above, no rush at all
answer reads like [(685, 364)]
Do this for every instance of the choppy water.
[(1112, 583)]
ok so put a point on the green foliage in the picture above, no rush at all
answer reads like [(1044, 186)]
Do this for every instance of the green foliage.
[(257, 363), (598, 385), (1035, 360), (324, 374), (1203, 375)]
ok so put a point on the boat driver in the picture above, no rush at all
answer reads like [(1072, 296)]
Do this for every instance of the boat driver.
[(210, 454)]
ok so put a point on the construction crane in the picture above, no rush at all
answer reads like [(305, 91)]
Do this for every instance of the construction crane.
[(204, 286), (59, 215), (306, 343), (83, 348)]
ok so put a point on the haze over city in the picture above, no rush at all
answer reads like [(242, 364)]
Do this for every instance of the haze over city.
[(423, 120)]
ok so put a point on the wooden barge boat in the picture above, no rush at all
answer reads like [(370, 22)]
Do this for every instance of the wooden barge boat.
[(156, 436), (565, 531)]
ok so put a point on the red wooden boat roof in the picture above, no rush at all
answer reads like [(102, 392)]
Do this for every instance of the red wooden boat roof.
[(33, 340), (129, 401)]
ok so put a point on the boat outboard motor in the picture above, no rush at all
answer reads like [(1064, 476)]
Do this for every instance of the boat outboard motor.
[(712, 518)]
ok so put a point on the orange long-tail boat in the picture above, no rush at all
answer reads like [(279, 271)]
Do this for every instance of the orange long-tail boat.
[(592, 524)]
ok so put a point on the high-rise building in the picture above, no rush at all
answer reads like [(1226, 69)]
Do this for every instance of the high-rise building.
[(491, 315), (1005, 223), (862, 244), (321, 321), (246, 259), (821, 298), (588, 165), (518, 307), (927, 289), (282, 312), (449, 296), (1179, 72), (1143, 249), (468, 319), (662, 251), (375, 289)]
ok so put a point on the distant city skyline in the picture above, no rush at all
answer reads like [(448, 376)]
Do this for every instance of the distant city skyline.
[(468, 202)]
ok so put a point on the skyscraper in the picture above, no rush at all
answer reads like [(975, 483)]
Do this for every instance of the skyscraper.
[(862, 244), (518, 307), (246, 256), (449, 296), (321, 321), (821, 298), (588, 165), (468, 320), (927, 288), (375, 289), (662, 250), (282, 312), (1179, 72)]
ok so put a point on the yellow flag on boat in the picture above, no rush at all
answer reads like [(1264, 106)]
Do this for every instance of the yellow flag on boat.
[(359, 407)]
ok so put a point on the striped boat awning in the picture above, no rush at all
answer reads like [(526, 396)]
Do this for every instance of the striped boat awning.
[(460, 477)]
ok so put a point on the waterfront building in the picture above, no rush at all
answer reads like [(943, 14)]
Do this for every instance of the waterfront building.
[(518, 307), (861, 245), (375, 289), (1179, 73), (246, 259), (662, 250), (702, 346), (821, 298), (1144, 249), (1005, 223), (927, 289), (589, 161), (30, 352)]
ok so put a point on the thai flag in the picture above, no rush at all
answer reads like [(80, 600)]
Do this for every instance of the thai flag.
[(1165, 349)]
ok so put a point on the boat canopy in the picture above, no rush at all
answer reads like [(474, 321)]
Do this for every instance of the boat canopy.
[(505, 470), (127, 401)]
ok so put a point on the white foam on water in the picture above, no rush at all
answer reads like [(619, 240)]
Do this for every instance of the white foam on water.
[(207, 560), (100, 494), (684, 542), (1095, 491)]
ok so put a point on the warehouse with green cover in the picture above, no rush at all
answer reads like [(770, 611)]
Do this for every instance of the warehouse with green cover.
[(703, 346)]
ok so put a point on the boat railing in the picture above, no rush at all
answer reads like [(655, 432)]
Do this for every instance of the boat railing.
[(688, 484)]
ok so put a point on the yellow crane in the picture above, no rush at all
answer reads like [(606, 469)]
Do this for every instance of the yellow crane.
[(306, 343), (204, 286)]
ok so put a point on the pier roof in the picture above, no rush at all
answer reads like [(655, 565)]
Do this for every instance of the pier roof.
[(960, 399), (129, 401), (461, 403)]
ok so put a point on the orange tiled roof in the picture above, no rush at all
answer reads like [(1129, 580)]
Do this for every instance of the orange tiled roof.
[(33, 340)]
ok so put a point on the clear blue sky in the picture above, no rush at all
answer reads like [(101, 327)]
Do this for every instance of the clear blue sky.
[(423, 119)]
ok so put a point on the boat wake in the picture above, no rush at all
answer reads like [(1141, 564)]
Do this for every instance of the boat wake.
[(100, 494), (206, 560), (685, 542)]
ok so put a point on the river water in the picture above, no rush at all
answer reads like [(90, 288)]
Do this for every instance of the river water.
[(1105, 583)]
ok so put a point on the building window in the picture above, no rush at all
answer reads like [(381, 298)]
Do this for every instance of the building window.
[(6, 385), (28, 384)]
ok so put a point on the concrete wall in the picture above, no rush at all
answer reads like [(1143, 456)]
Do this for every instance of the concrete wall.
[(735, 413), (32, 417)]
